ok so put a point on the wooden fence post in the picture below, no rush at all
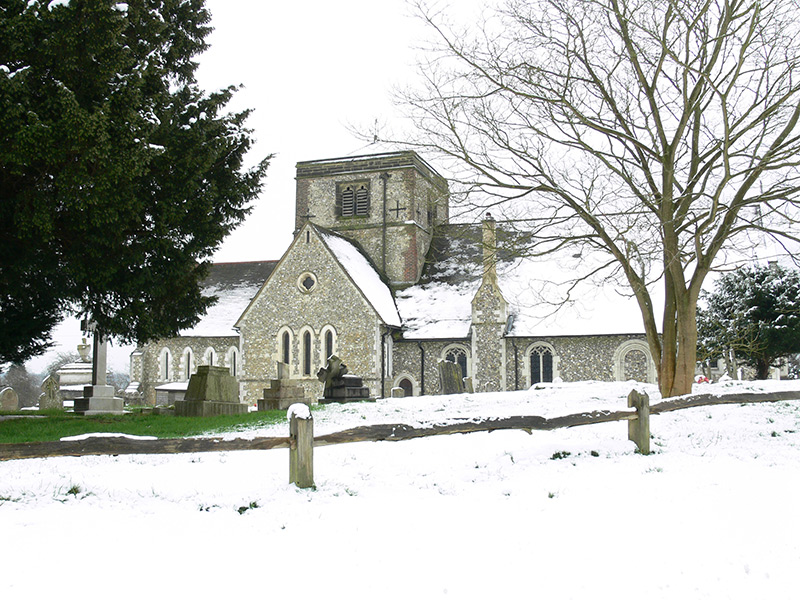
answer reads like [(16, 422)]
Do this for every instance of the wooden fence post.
[(639, 428), (301, 446)]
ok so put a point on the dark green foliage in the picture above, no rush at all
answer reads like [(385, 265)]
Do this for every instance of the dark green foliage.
[(755, 312), (561, 454), (119, 177)]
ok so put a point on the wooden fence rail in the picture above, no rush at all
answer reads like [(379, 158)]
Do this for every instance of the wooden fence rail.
[(383, 432)]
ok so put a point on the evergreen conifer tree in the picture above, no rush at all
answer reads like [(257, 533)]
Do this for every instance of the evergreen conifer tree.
[(119, 176), (755, 313)]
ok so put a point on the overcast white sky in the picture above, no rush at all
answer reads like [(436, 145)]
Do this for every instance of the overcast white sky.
[(310, 68)]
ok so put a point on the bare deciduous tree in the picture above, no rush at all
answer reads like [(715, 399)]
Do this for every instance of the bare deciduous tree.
[(658, 133)]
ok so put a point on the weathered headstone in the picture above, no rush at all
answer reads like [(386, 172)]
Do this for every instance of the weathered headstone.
[(9, 400), (450, 378), (282, 392), (639, 428), (49, 398), (211, 391), (468, 385), (398, 392)]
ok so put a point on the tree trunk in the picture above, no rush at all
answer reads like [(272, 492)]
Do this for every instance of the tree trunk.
[(679, 356), (762, 368)]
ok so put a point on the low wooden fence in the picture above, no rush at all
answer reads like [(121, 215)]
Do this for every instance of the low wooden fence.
[(301, 440)]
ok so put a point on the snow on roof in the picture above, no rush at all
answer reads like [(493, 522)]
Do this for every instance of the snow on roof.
[(364, 276), (234, 284), (535, 288)]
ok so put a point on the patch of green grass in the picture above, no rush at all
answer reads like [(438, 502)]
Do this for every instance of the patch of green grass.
[(57, 425), (560, 455), (244, 509)]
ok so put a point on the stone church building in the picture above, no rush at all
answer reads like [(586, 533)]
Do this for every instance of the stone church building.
[(378, 275)]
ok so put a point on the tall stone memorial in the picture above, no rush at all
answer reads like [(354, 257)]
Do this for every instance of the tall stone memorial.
[(98, 398)]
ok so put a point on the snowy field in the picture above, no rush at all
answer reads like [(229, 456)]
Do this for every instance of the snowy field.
[(713, 513)]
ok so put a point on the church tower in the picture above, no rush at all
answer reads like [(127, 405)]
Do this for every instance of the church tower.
[(388, 203)]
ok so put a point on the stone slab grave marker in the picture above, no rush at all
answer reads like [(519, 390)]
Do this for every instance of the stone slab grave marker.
[(50, 399), (282, 392), (98, 398), (339, 386), (450, 378), (211, 391), (9, 400)]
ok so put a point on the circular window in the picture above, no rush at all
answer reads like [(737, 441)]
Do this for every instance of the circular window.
[(307, 282)]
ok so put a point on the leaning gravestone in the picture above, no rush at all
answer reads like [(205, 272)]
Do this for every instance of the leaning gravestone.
[(9, 401), (50, 398), (450, 379)]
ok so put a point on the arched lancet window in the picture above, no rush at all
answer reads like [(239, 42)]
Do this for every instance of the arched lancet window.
[(307, 353), (458, 355), (233, 361), (327, 339), (541, 364), (210, 356), (328, 344), (286, 347), (165, 364), (187, 363)]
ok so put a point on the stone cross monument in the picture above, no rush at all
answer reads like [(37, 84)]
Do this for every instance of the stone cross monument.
[(98, 398)]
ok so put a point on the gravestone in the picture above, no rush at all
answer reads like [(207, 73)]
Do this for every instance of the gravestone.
[(450, 378), (339, 386), (50, 398), (282, 392), (98, 398), (75, 376), (398, 392), (9, 400), (212, 391)]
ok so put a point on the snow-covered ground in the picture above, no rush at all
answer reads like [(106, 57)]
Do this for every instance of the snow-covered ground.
[(711, 514)]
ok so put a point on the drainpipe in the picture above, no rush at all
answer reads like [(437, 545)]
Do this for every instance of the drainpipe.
[(385, 178), (421, 369), (383, 363), (516, 367)]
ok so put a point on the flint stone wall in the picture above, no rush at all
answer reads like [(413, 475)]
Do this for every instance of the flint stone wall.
[(332, 304)]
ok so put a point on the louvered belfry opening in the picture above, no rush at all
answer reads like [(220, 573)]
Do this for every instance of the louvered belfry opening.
[(353, 199), (362, 201), (348, 201)]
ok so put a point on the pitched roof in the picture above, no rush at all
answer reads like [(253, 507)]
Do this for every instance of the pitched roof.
[(439, 306), (234, 284), (363, 274)]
